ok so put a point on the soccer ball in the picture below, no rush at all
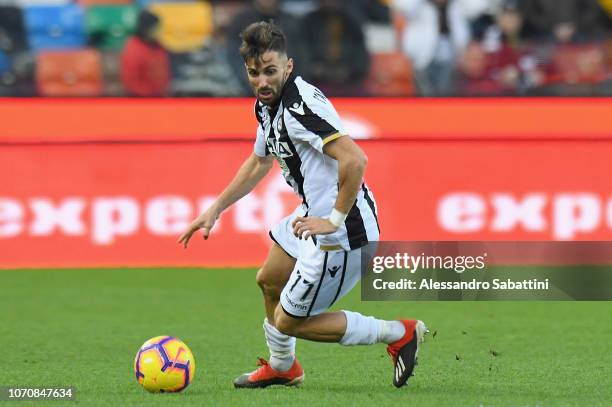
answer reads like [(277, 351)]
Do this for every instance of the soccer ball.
[(164, 364)]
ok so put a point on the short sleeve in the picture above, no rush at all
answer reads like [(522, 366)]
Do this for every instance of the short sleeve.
[(312, 118), (260, 147)]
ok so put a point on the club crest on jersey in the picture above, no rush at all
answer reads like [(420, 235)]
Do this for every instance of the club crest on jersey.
[(264, 115)]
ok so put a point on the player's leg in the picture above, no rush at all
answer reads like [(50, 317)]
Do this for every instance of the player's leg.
[(344, 327), (352, 328), (275, 272), (273, 276), (320, 279), (283, 368)]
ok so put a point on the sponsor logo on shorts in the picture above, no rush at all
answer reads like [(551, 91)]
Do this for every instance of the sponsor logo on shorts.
[(296, 305)]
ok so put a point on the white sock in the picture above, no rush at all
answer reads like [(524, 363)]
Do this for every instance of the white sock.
[(364, 330), (390, 331), (282, 347)]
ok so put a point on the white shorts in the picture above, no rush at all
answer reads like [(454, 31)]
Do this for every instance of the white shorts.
[(320, 277)]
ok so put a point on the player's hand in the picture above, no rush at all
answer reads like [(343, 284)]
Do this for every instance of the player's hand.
[(205, 221), (304, 227)]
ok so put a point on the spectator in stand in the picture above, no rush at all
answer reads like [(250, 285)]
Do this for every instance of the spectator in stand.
[(502, 63), (435, 34), (338, 61), (503, 29), (145, 67), (262, 10), (575, 65), (564, 21), (205, 72), (370, 11), (474, 76), (364, 11)]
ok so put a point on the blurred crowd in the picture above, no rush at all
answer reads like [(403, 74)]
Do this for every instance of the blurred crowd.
[(346, 47)]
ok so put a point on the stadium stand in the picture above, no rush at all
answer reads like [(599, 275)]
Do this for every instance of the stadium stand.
[(89, 3), (111, 73), (6, 76), (338, 60), (108, 26), (185, 25), (450, 47), (12, 31), (390, 75), (55, 27), (69, 73), (204, 72), (18, 79)]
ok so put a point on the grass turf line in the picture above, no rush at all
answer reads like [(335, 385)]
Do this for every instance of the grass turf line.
[(82, 328)]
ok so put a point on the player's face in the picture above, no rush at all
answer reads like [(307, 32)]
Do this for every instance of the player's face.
[(268, 75)]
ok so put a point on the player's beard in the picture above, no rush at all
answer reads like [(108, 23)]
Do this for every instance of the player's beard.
[(275, 92), (268, 97)]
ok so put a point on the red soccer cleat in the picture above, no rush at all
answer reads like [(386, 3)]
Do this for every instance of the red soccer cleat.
[(265, 376), (404, 351)]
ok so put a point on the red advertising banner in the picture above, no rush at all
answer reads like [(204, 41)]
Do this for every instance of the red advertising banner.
[(126, 204), (117, 120)]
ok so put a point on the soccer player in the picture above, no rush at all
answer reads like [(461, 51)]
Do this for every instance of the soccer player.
[(316, 256)]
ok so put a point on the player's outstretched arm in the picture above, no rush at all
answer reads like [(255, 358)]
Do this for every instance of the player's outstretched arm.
[(352, 162), (248, 176)]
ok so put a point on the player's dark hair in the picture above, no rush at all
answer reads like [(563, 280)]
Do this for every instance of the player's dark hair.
[(261, 37)]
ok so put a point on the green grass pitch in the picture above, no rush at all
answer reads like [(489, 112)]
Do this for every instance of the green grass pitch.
[(82, 328)]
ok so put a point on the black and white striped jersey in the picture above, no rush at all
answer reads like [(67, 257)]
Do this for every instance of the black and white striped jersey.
[(294, 132)]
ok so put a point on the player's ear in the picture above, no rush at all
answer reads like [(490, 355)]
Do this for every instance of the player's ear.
[(289, 66)]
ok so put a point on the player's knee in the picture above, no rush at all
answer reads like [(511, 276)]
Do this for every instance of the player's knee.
[(284, 323), (268, 286), (260, 278)]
